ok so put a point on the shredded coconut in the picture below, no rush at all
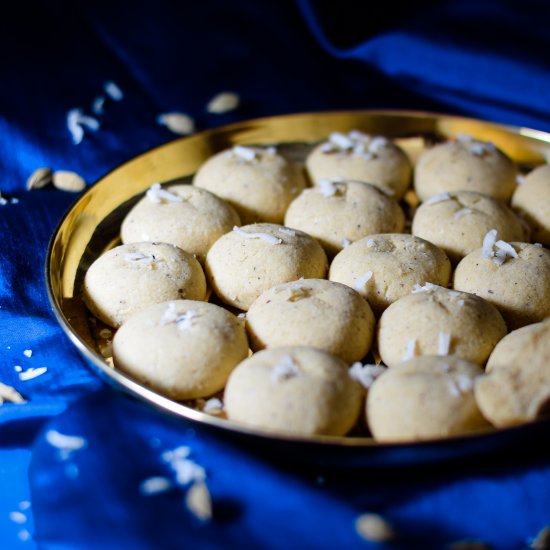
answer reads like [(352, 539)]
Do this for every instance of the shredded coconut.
[(213, 405), (8, 393), (426, 287), (443, 343), (361, 282), (157, 194), (18, 368), (488, 242), (183, 320), (76, 119), (24, 505), (346, 243), (371, 243), (410, 352), (67, 444), (27, 353), (178, 123), (222, 103), (113, 91), (520, 179), (199, 501), (283, 370), (186, 470), (439, 198), (264, 236), (139, 258), (462, 212), (31, 373), (328, 188), (365, 374), (464, 138), (286, 231), (18, 517), (155, 485), (24, 535), (245, 153), (98, 104), (358, 143)]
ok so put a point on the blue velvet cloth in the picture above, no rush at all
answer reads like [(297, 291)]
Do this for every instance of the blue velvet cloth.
[(485, 59)]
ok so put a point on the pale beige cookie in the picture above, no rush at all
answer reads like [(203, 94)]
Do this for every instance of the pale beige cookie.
[(180, 214), (384, 268), (526, 345), (134, 276), (183, 349), (515, 393), (458, 221), (425, 398), (532, 200), (253, 258), (338, 213), (297, 390), (437, 321), (258, 182), (515, 277), (312, 312), (465, 164), (361, 157)]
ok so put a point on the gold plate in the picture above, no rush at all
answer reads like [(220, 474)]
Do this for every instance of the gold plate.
[(92, 225)]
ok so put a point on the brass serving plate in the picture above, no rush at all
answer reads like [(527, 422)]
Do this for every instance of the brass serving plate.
[(92, 224)]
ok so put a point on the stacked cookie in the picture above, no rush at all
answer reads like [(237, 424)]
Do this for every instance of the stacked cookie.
[(273, 291)]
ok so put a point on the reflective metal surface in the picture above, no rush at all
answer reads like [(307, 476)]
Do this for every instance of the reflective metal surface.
[(92, 226)]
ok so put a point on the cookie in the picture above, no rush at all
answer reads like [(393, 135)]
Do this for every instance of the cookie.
[(465, 164), (531, 200), (251, 259), (183, 349), (296, 390), (425, 398), (186, 216), (361, 157), (437, 321), (526, 345), (258, 182), (457, 222), (515, 393), (338, 213), (312, 312), (131, 277), (515, 277), (384, 268)]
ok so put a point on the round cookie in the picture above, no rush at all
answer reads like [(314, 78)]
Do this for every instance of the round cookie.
[(437, 321), (384, 268), (251, 259), (425, 398), (457, 222), (258, 183), (532, 200), (131, 277), (465, 164), (525, 345), (312, 312), (297, 390), (183, 349), (514, 393), (515, 277), (338, 213), (180, 214), (361, 157)]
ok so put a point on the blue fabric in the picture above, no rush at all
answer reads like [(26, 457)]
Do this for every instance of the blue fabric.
[(484, 59)]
